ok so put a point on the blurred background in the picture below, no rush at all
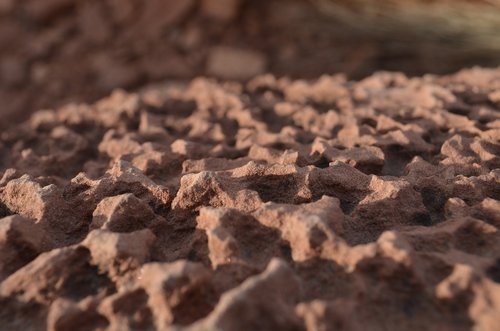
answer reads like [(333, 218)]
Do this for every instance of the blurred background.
[(58, 51)]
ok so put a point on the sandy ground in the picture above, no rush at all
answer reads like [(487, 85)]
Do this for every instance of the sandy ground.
[(274, 205)]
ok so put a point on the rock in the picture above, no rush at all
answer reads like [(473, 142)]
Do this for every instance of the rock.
[(173, 289), (20, 242), (277, 205), (63, 272), (127, 310), (457, 284), (327, 316), (384, 203), (65, 314), (115, 147), (119, 252), (369, 159), (44, 205), (121, 178), (208, 189), (491, 208), (256, 302), (27, 198), (228, 244), (306, 228), (122, 213), (234, 63)]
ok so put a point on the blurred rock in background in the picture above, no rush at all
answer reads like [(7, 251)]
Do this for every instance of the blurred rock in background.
[(57, 51)]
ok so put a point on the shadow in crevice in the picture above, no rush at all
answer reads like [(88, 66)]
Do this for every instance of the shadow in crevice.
[(349, 198), (84, 278), (494, 271), (4, 211), (324, 280), (369, 220), (434, 200), (178, 238), (287, 188), (24, 254), (395, 290), (396, 159), (276, 188), (20, 315), (262, 106)]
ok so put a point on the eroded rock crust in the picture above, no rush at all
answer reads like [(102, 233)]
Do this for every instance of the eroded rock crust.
[(276, 205)]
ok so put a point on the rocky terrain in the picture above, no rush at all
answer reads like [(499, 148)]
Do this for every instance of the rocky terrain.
[(274, 205), (56, 51)]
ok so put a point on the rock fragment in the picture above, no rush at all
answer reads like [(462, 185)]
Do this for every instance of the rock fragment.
[(117, 253), (173, 289), (122, 213), (45, 205), (307, 228)]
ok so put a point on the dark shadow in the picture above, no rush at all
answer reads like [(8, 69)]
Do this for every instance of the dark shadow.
[(369, 221), (196, 303), (370, 168), (262, 108), (459, 108), (83, 279), (62, 156), (323, 107), (178, 238), (276, 188), (349, 197), (24, 254), (396, 158), (392, 289), (434, 200), (18, 315), (257, 243), (324, 280), (4, 211), (494, 271), (176, 107), (133, 305), (322, 163), (472, 239)]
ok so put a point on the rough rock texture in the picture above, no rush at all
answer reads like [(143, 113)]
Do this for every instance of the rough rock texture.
[(275, 205)]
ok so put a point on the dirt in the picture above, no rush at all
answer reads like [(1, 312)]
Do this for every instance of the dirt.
[(277, 204), (58, 51)]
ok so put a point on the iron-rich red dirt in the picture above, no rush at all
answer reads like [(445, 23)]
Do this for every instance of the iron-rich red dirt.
[(274, 205)]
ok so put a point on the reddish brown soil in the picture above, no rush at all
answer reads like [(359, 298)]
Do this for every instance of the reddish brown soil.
[(275, 205), (55, 51)]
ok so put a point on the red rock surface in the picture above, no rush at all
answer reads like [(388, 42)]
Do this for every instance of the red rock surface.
[(274, 205)]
